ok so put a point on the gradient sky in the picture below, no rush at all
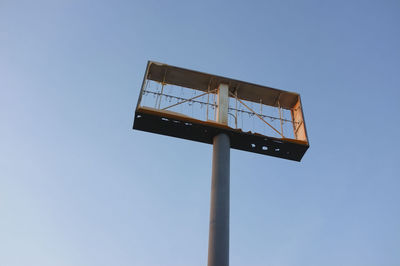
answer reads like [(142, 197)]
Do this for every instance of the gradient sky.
[(79, 187)]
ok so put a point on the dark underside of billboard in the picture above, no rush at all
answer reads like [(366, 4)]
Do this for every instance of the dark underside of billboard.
[(192, 129)]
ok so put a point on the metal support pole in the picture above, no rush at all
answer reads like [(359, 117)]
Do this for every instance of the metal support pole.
[(223, 104), (218, 241)]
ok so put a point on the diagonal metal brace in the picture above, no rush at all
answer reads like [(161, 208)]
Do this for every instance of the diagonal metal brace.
[(233, 95), (187, 100)]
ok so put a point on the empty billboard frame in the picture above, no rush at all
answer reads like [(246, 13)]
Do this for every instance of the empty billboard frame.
[(182, 103)]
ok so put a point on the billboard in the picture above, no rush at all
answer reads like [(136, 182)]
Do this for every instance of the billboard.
[(183, 103)]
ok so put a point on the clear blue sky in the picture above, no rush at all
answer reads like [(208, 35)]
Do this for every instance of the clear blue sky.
[(79, 187)]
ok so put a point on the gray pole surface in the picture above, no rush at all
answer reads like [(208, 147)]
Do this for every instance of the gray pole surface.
[(218, 241)]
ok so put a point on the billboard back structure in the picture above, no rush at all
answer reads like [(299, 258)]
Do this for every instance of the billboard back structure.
[(183, 103)]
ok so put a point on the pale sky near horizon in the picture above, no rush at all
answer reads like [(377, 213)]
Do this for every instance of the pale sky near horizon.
[(79, 187)]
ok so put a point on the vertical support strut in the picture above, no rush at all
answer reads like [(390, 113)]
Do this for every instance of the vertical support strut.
[(280, 117), (223, 104), (218, 242), (236, 109)]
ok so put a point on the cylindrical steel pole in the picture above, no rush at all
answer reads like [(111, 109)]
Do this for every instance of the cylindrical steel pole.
[(218, 240)]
